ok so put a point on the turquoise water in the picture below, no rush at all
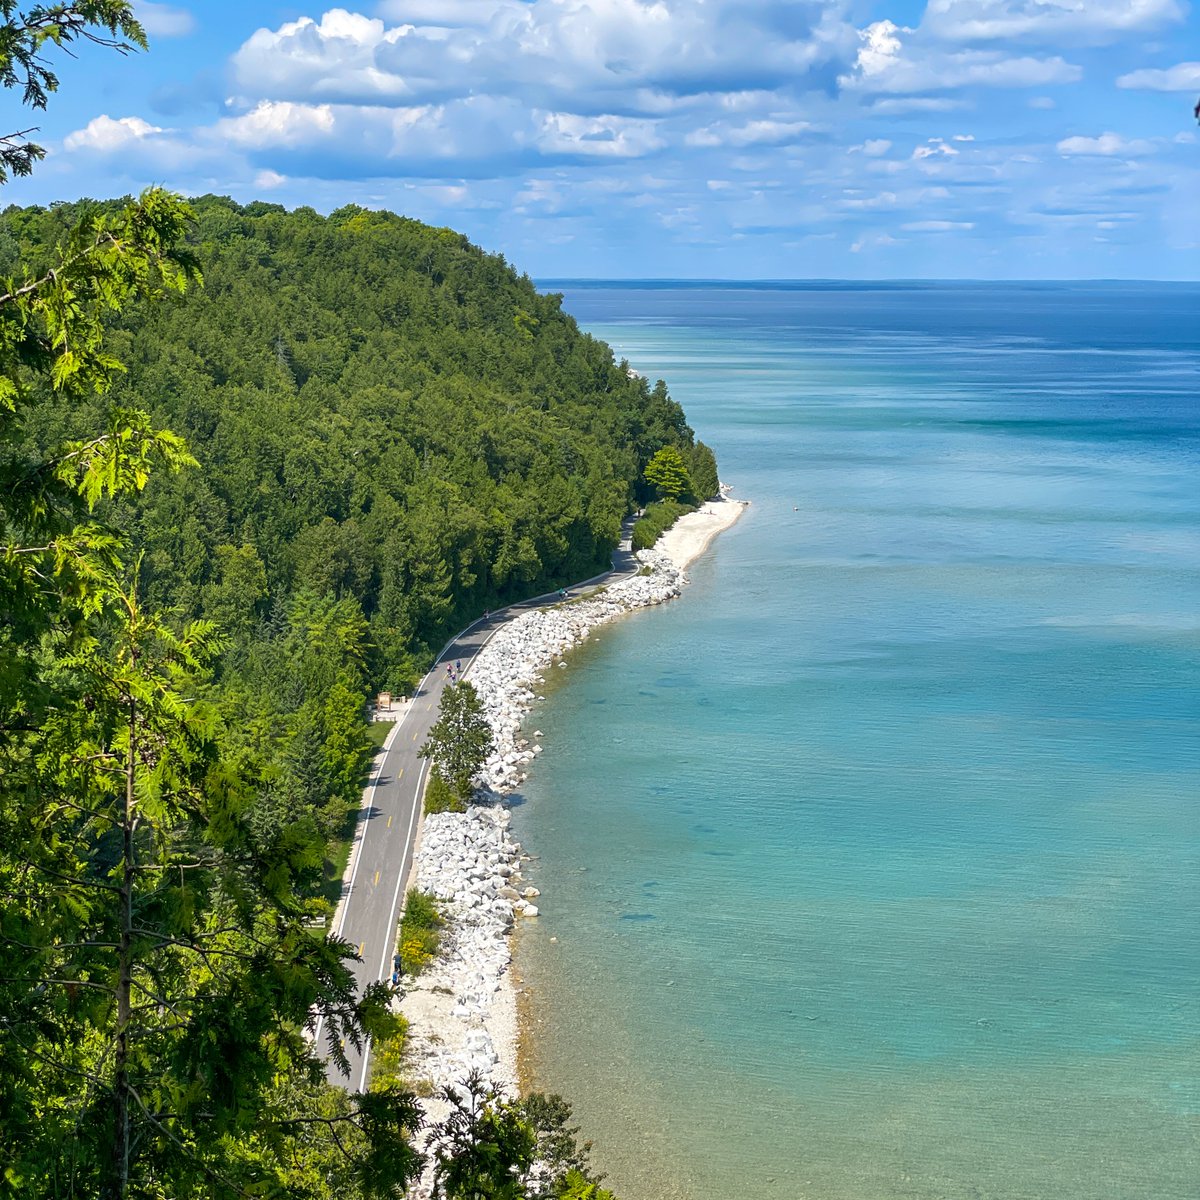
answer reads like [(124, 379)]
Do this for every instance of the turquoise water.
[(873, 861)]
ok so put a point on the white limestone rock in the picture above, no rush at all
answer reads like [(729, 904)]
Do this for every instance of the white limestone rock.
[(462, 1009)]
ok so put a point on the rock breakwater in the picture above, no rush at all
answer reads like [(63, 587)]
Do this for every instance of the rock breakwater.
[(469, 864), (509, 668), (462, 1009)]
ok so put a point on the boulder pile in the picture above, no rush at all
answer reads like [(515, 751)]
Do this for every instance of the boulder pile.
[(471, 866), (509, 668)]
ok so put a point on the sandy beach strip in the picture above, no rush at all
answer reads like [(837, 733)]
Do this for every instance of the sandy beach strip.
[(690, 536)]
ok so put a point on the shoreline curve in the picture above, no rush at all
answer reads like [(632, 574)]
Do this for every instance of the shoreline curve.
[(463, 1011), (694, 532)]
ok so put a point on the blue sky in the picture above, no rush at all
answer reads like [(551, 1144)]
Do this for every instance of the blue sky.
[(675, 138)]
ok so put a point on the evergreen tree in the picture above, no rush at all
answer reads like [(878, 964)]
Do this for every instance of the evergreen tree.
[(483, 1148), (158, 965), (424, 454), (404, 434), (562, 1168), (461, 738), (577, 1186), (703, 472), (158, 974)]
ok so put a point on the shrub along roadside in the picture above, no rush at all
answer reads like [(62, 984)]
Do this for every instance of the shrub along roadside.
[(440, 797), (420, 932), (656, 520), (387, 1057)]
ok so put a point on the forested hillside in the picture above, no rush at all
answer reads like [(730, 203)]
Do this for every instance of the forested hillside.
[(394, 432), (229, 512), (382, 413)]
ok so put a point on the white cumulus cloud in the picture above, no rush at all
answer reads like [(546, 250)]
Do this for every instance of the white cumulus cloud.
[(104, 134), (895, 59), (335, 59), (280, 123), (582, 55), (477, 136), (506, 81), (1107, 145), (1051, 21), (1183, 77), (137, 148)]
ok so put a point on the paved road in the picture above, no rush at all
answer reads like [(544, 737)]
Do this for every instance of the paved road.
[(382, 857)]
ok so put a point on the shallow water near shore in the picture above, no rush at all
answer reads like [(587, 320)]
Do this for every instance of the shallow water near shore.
[(873, 861)]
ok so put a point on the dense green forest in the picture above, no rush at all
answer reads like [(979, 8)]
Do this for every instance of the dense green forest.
[(232, 508), (394, 432), (253, 464), (382, 414)]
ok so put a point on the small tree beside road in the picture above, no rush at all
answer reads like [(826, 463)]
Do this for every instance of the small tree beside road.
[(461, 738), (484, 1147)]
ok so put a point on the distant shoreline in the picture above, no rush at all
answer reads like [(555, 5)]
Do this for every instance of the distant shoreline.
[(845, 285)]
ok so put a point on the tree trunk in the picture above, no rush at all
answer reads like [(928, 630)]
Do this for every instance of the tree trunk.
[(121, 1092)]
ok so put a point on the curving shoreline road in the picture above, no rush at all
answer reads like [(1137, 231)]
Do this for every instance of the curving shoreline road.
[(381, 858)]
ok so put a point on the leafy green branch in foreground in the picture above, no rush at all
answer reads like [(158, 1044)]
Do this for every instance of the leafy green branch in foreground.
[(24, 37), (158, 968), (392, 430)]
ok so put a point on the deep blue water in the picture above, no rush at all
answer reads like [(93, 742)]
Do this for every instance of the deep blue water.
[(873, 861)]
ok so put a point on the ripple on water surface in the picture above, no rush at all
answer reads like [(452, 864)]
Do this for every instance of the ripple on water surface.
[(872, 862)]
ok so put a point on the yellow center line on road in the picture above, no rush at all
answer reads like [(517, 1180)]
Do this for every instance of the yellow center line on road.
[(376, 879), (360, 948), (389, 824), (401, 774), (415, 736)]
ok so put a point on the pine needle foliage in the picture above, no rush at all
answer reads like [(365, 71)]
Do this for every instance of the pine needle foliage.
[(460, 739)]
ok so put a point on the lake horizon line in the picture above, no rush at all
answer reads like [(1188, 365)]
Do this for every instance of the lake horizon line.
[(832, 284)]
